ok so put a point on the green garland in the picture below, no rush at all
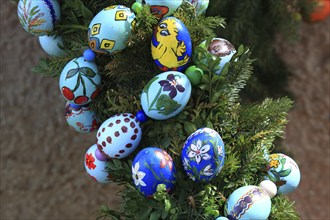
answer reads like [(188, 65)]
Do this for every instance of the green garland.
[(246, 129)]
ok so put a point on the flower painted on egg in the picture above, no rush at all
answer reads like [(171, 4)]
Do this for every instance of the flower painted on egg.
[(89, 160), (172, 85), (138, 175), (198, 151), (165, 159), (274, 163), (207, 171)]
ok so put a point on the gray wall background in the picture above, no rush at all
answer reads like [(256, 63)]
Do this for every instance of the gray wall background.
[(42, 173)]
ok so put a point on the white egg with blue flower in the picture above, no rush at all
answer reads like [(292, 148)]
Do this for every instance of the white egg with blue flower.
[(203, 155), (166, 95), (153, 166)]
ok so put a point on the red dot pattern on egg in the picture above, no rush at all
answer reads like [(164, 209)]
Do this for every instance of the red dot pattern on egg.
[(118, 128)]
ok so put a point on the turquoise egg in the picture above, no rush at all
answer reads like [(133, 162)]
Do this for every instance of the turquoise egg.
[(81, 118), (248, 203), (203, 155), (284, 172), (38, 17), (222, 48), (51, 45), (79, 81), (110, 29), (171, 47), (153, 166), (95, 167), (162, 8), (166, 95), (200, 6)]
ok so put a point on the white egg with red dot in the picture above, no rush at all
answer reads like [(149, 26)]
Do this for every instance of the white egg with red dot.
[(119, 135)]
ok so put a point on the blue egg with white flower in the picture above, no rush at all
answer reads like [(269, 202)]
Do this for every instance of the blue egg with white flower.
[(248, 203), (203, 155), (153, 166), (166, 95)]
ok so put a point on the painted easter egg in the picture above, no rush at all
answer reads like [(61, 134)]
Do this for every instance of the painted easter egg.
[(119, 135), (203, 155), (79, 81), (171, 47), (166, 95), (200, 6), (284, 172), (248, 203), (153, 166), (162, 8), (81, 118), (38, 17), (51, 45), (222, 48), (95, 165), (110, 29)]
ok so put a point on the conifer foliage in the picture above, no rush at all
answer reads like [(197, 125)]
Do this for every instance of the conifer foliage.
[(247, 130)]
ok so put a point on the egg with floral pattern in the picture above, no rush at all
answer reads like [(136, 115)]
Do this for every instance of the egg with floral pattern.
[(203, 155), (284, 172), (79, 81), (119, 135), (38, 17), (162, 8), (171, 46), (95, 165), (81, 118), (153, 166), (166, 95)]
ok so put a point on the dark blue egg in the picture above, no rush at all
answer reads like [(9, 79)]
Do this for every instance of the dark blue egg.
[(203, 155), (153, 166), (171, 47)]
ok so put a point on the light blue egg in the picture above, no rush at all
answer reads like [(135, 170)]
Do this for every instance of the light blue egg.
[(81, 118), (248, 203), (79, 81), (51, 45), (166, 95), (171, 47), (222, 48), (38, 17), (119, 135), (153, 166), (110, 29), (200, 6), (162, 8), (284, 172), (96, 168), (203, 155)]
